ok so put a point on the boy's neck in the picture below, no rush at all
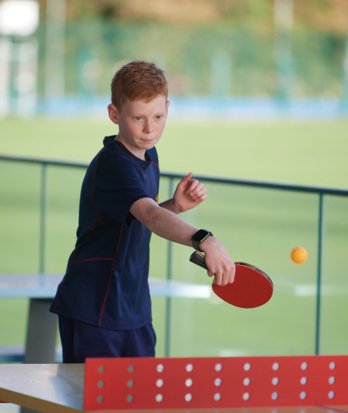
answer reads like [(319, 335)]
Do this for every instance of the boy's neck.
[(137, 154)]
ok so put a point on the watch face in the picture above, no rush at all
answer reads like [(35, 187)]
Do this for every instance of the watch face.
[(201, 235)]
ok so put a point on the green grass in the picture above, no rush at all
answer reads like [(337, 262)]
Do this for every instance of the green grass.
[(256, 225), (300, 152)]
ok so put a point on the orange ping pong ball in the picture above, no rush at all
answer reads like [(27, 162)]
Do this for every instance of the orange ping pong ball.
[(299, 255)]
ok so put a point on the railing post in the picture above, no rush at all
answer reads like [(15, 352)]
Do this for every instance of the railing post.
[(42, 221), (169, 276), (319, 272)]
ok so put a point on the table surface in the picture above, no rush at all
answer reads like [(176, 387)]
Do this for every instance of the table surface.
[(58, 388), (45, 286)]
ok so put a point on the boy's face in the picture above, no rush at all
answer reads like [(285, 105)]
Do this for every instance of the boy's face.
[(140, 123)]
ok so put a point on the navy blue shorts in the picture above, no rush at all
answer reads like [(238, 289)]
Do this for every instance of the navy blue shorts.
[(81, 340)]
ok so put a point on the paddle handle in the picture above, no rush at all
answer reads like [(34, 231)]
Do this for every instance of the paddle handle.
[(197, 258)]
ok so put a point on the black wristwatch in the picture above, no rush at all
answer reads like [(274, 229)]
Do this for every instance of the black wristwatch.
[(199, 237)]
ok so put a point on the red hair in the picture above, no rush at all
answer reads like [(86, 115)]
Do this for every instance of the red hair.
[(138, 80)]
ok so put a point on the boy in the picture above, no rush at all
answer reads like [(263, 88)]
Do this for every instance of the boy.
[(103, 302)]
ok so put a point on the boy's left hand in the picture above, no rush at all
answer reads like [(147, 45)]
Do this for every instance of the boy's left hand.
[(189, 193)]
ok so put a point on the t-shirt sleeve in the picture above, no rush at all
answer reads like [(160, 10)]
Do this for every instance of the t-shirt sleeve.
[(118, 185)]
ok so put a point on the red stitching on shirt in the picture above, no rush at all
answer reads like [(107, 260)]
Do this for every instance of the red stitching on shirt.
[(102, 309)]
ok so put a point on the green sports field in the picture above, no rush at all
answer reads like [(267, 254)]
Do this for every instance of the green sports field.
[(256, 225), (309, 152)]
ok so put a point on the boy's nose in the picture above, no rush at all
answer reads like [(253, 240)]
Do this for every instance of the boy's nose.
[(148, 126)]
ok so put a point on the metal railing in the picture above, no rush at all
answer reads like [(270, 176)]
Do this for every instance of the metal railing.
[(321, 193)]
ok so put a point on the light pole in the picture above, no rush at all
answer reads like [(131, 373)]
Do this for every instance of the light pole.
[(283, 22), (55, 49), (19, 19)]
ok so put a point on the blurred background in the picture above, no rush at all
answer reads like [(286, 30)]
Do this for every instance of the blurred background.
[(222, 57), (259, 98)]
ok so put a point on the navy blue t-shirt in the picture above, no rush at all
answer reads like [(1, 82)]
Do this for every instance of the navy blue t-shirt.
[(106, 281)]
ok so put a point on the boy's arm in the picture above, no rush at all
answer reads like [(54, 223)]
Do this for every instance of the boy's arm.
[(188, 194), (168, 225)]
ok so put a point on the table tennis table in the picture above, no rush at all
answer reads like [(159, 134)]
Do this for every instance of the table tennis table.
[(41, 334), (60, 388)]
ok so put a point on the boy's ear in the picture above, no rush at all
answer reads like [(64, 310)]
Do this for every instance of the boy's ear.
[(113, 113)]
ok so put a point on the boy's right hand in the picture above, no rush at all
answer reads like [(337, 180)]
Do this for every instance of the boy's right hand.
[(218, 261)]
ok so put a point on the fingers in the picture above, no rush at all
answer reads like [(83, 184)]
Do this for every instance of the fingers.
[(187, 177), (225, 278), (219, 263), (193, 188), (198, 193), (220, 266), (196, 190)]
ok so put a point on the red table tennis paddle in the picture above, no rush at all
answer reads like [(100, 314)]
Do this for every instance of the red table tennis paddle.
[(251, 288)]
